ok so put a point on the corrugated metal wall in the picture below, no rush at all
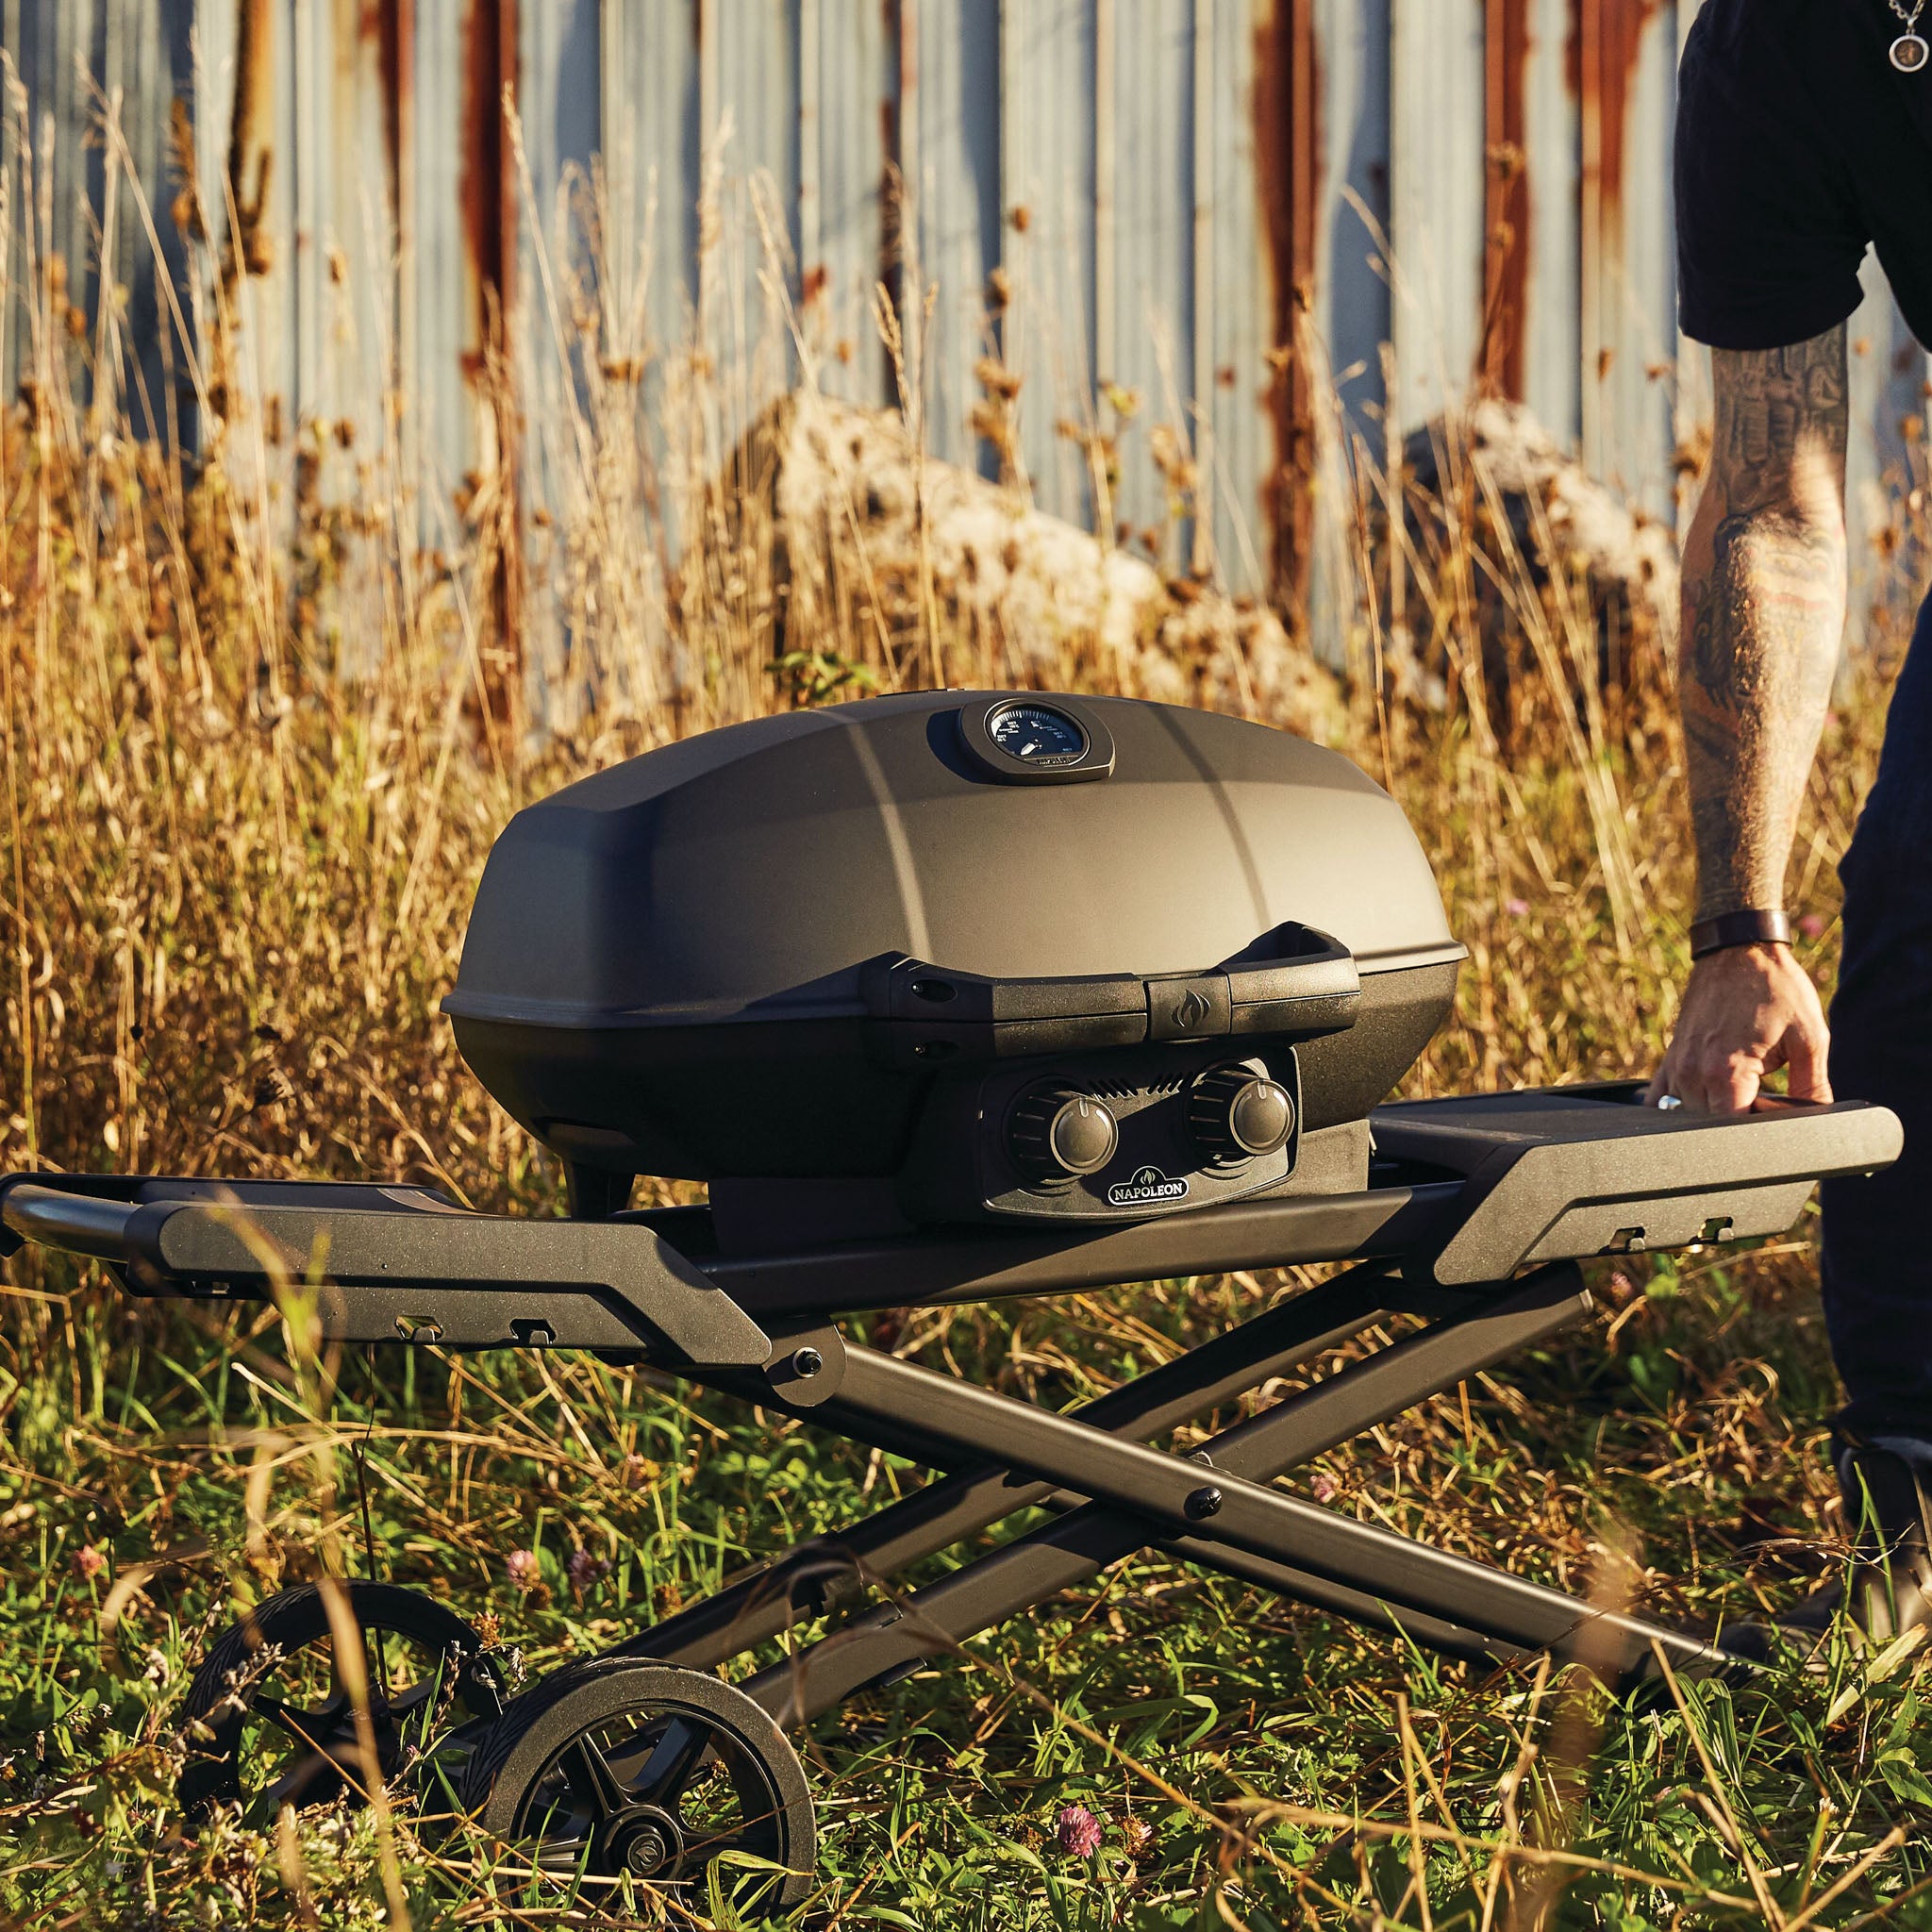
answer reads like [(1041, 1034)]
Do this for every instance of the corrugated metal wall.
[(1168, 184)]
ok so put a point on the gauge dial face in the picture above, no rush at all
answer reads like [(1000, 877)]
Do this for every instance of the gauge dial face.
[(1036, 734)]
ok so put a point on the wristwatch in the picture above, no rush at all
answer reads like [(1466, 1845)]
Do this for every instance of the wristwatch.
[(1755, 926)]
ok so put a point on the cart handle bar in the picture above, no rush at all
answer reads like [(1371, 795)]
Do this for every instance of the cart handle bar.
[(485, 1281)]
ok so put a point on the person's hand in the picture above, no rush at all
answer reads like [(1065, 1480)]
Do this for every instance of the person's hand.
[(1747, 1011)]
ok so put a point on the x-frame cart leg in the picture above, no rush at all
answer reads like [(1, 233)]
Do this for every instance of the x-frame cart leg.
[(1303, 1549), (814, 1576)]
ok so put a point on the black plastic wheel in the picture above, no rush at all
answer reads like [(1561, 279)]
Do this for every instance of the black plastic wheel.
[(265, 1733), (626, 1767)]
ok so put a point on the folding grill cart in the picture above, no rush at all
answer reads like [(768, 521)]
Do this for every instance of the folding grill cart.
[(715, 962)]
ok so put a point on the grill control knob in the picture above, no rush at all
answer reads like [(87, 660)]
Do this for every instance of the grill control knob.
[(1234, 1112), (1056, 1132)]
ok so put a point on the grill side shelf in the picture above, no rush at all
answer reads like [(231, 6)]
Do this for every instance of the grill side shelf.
[(1499, 1182), (463, 1280), (1568, 1172)]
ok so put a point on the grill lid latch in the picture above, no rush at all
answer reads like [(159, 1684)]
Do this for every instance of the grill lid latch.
[(1189, 1006)]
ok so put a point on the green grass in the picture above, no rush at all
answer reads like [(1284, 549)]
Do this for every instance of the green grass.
[(1253, 1764)]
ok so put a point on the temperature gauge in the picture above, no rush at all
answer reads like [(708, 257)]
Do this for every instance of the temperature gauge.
[(1017, 739), (1037, 733)]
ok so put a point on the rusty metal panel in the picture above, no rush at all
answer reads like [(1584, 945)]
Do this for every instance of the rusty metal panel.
[(214, 82), (257, 183), (1506, 207), (490, 204), (653, 162), (1628, 77), (287, 187), (949, 122), (343, 137), (141, 53), (559, 105), (1048, 190), (1172, 191), (1437, 181), (1552, 155), (52, 43), (71, 55), (438, 345), (845, 110), (748, 56), (748, 98), (1238, 283), (321, 143), (1888, 374), (354, 322), (559, 99), (62, 53), (1145, 307), (1351, 309)]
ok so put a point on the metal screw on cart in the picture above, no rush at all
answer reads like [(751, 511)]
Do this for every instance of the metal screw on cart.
[(808, 1362), (1202, 1502)]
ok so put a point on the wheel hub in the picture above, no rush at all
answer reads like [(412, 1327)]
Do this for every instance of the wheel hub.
[(645, 1843), (644, 1853)]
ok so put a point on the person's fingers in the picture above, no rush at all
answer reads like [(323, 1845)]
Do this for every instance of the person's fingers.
[(1667, 1081), (1734, 1084), (1714, 1081), (1688, 1082), (1806, 1048)]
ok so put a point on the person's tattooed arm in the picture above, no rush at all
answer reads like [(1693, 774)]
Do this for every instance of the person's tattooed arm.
[(1764, 599)]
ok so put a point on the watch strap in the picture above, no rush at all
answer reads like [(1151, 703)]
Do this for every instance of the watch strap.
[(1754, 926)]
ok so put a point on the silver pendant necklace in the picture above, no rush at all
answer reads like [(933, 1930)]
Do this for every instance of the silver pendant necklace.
[(1909, 51)]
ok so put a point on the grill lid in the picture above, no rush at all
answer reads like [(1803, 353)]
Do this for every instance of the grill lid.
[(979, 863)]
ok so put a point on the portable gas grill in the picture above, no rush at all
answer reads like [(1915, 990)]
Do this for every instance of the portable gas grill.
[(947, 997)]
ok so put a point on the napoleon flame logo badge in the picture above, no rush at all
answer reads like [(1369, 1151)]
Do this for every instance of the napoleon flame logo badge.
[(1189, 1011), (1147, 1187)]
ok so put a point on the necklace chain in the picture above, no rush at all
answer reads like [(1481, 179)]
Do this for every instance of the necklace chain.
[(1911, 19)]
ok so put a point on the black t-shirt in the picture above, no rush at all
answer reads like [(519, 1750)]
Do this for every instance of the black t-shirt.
[(1799, 143)]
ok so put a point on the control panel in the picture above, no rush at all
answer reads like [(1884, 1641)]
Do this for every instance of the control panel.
[(1113, 1136)]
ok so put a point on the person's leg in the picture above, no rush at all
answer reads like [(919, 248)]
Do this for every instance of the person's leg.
[(1877, 1264)]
